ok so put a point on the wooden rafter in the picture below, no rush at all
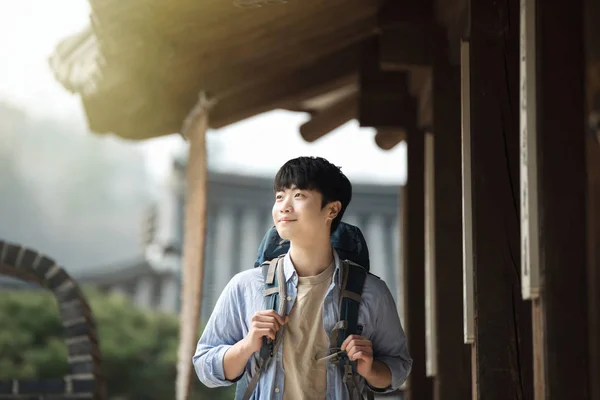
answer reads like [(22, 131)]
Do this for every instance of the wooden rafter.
[(387, 139), (330, 118), (291, 87)]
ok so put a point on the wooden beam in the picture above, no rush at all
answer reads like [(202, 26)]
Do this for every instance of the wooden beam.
[(561, 310), (286, 89), (387, 139), (407, 45), (453, 357), (502, 322), (330, 118), (384, 100), (419, 386), (326, 99)]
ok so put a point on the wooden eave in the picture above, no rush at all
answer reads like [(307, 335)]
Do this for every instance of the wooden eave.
[(152, 60), (156, 60)]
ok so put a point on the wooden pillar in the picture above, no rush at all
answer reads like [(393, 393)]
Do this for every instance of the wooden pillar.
[(592, 29), (560, 311), (502, 357), (453, 366), (593, 242), (386, 103), (419, 386), (194, 130)]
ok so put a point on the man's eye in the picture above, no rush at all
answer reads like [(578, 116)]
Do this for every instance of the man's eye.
[(299, 195)]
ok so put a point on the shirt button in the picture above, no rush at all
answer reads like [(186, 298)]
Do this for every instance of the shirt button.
[(289, 298), (276, 390)]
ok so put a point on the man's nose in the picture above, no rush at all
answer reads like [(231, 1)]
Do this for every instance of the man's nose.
[(286, 206)]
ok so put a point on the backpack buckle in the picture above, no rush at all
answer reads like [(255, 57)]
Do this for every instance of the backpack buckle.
[(266, 350), (334, 357)]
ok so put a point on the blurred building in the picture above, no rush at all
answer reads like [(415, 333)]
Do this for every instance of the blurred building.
[(239, 214)]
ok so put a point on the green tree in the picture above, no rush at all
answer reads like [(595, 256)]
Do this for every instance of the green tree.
[(139, 347)]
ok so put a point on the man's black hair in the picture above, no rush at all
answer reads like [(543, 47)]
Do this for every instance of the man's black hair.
[(316, 173)]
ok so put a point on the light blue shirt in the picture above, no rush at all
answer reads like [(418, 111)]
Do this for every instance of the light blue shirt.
[(243, 297)]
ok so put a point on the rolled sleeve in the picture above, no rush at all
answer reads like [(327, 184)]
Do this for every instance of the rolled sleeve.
[(209, 366), (400, 370), (389, 342), (224, 328)]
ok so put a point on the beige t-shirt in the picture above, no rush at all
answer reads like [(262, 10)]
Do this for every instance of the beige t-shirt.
[(305, 340)]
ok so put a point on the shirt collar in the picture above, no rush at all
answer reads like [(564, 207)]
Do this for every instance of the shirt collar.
[(289, 270)]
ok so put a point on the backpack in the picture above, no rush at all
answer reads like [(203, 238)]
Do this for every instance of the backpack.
[(350, 244)]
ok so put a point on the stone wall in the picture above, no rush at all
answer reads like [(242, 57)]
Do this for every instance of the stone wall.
[(84, 380)]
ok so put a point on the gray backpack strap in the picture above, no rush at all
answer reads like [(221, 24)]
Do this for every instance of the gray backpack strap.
[(352, 279), (275, 299)]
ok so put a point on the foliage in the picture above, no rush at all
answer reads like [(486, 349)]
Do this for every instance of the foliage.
[(139, 347)]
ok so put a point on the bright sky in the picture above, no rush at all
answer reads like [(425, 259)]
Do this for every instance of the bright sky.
[(29, 32)]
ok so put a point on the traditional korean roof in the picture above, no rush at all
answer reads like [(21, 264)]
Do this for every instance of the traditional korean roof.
[(140, 65)]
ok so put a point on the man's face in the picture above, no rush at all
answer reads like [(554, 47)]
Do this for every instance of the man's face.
[(298, 215)]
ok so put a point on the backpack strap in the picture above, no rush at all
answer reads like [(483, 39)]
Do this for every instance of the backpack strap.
[(352, 280), (275, 299)]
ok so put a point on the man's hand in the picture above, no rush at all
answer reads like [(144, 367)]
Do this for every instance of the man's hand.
[(264, 323), (360, 349)]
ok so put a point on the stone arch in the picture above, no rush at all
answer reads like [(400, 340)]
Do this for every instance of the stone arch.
[(85, 379)]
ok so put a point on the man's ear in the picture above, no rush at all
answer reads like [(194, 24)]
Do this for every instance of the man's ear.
[(334, 209)]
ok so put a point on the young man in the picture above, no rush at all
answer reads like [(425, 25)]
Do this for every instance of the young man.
[(311, 196)]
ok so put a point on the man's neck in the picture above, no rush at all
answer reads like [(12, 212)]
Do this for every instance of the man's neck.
[(313, 259)]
